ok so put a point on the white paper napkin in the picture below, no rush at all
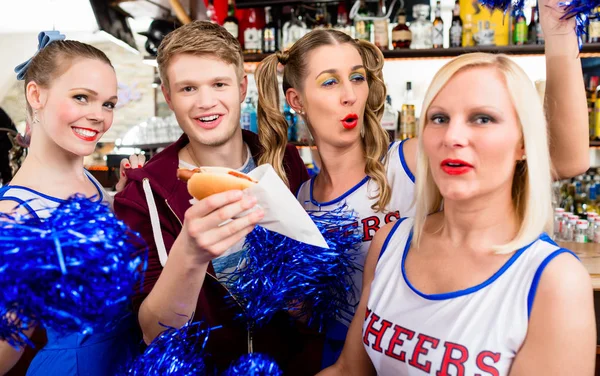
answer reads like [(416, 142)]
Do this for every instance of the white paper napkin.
[(283, 212)]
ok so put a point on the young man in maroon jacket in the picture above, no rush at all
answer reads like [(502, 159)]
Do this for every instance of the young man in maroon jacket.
[(203, 81)]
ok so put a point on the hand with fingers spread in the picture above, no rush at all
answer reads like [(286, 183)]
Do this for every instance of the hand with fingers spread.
[(212, 225), (134, 161)]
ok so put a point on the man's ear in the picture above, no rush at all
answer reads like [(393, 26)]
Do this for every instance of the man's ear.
[(243, 88), (167, 95)]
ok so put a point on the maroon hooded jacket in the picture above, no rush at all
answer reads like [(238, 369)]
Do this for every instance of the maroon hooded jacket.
[(296, 351)]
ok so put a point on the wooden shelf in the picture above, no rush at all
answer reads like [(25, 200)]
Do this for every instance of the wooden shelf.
[(588, 50)]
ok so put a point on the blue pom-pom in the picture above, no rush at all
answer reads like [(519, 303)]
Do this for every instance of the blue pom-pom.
[(178, 352), (277, 273), (72, 272), (254, 365)]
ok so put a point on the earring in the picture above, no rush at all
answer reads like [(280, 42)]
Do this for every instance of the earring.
[(35, 119), (524, 157), (301, 112), (362, 132)]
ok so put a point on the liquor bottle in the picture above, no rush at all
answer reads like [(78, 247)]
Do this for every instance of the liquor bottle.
[(362, 28), (290, 117), (456, 28), (248, 119), (468, 31), (438, 27), (421, 28), (252, 35), (342, 20), (389, 120), (590, 93), (231, 23), (594, 26), (407, 117), (401, 35), (293, 30), (211, 13), (320, 22), (381, 31), (270, 34), (532, 33), (519, 27)]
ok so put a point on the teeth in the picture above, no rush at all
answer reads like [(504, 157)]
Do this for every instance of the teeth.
[(209, 118), (85, 132)]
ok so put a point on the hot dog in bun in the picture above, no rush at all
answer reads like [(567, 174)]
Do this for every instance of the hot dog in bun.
[(205, 181)]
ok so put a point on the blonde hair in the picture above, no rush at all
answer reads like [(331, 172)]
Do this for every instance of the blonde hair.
[(273, 127), (531, 187), (199, 38)]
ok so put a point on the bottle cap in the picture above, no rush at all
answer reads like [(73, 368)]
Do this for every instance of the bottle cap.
[(582, 224)]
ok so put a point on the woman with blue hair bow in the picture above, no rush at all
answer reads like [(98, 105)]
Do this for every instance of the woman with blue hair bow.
[(71, 92)]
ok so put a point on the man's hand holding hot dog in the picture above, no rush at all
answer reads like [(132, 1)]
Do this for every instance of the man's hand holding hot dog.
[(211, 226)]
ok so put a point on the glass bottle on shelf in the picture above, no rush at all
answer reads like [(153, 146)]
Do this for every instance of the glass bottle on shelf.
[(362, 28), (594, 27), (389, 120), (320, 18), (290, 117), (381, 30), (421, 28), (342, 20), (438, 27), (401, 35), (270, 37), (535, 33), (558, 214), (231, 22), (293, 30), (467, 38), (456, 28), (252, 35), (407, 117), (519, 27), (211, 13), (248, 119), (581, 231)]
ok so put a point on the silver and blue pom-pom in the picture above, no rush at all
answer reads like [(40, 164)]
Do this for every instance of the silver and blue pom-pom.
[(277, 273), (73, 272), (180, 352), (254, 364)]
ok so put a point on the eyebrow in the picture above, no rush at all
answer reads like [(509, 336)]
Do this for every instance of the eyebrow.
[(333, 71), (474, 109), (194, 83), (93, 92)]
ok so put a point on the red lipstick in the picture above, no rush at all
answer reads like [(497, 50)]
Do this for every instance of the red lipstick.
[(350, 121), (77, 131), (455, 166)]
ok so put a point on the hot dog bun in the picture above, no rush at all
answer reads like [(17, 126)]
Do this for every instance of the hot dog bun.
[(206, 181)]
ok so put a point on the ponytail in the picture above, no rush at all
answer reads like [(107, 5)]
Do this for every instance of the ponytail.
[(272, 126)]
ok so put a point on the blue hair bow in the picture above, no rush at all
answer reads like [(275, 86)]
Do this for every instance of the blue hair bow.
[(44, 39)]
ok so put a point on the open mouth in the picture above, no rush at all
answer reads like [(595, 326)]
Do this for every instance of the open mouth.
[(209, 121), (455, 166), (85, 133), (350, 121)]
